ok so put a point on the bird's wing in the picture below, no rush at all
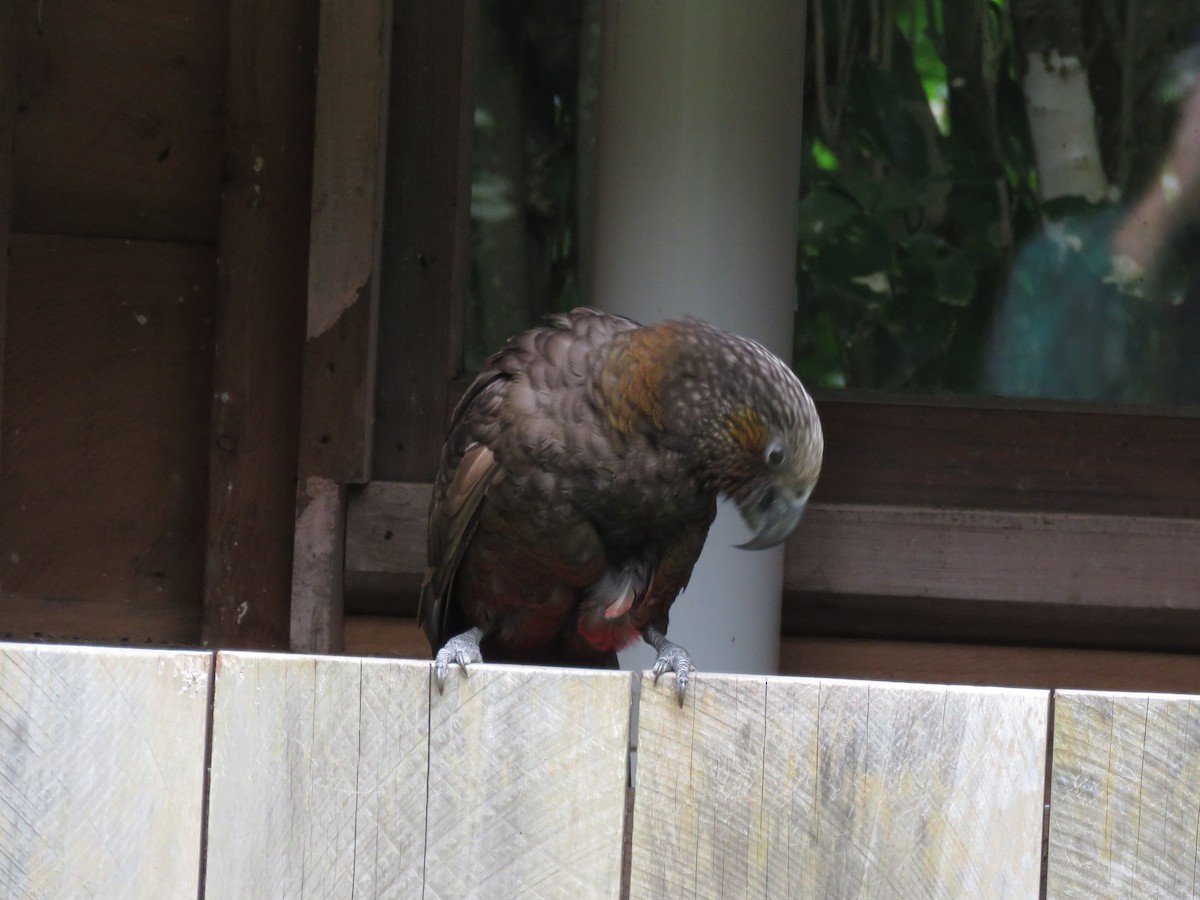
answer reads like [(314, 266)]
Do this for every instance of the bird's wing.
[(452, 519), (458, 494)]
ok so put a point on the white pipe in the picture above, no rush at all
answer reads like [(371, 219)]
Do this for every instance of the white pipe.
[(698, 180)]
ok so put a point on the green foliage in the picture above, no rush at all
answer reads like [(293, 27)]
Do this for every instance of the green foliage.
[(905, 228)]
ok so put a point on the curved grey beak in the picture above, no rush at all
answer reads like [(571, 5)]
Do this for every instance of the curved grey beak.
[(772, 519)]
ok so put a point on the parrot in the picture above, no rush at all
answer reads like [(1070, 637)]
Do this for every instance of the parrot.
[(580, 476)]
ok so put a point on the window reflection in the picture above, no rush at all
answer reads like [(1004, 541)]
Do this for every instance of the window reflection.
[(526, 188), (998, 196), (994, 202), (1098, 306)]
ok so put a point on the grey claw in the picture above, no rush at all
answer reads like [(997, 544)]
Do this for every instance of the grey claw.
[(673, 658), (461, 650)]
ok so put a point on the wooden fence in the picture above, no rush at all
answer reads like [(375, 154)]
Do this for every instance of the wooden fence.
[(346, 777)]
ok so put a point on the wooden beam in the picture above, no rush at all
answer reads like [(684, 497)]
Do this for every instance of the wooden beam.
[(1030, 456), (385, 537), (426, 233), (8, 112), (336, 432), (346, 240), (317, 571), (260, 323), (988, 555)]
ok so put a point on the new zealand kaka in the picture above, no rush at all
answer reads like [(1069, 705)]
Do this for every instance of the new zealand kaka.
[(580, 477)]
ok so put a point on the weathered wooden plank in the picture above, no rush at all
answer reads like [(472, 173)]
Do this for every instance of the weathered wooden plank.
[(1125, 796), (787, 787), (260, 323), (120, 130), (426, 233), (385, 533), (102, 773), (318, 569), (319, 768), (108, 378), (8, 112), (527, 781), (346, 240)]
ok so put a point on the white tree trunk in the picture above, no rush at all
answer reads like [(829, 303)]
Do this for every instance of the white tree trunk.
[(1062, 122)]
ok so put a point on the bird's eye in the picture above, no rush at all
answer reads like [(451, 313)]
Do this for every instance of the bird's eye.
[(774, 455)]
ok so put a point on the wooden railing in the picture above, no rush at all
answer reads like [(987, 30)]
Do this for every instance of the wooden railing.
[(348, 777)]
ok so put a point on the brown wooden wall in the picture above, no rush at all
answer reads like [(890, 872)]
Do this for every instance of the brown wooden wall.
[(118, 133), (143, 157)]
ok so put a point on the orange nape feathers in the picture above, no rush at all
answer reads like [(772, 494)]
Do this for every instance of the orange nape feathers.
[(631, 381)]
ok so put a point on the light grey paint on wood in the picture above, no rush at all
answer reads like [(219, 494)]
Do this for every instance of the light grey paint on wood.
[(318, 777), (386, 527), (772, 787), (527, 782), (1125, 796), (101, 771)]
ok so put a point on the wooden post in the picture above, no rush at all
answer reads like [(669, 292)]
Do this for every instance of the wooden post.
[(8, 109), (318, 612), (426, 234), (343, 306), (260, 323)]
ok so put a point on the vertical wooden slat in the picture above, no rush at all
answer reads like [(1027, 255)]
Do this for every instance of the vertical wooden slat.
[(346, 238), (792, 787), (336, 431), (101, 771), (318, 777), (260, 323), (426, 233), (318, 569), (8, 111), (1125, 796), (527, 777)]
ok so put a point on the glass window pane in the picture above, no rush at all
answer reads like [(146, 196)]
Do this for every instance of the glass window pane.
[(997, 196), (1000, 197)]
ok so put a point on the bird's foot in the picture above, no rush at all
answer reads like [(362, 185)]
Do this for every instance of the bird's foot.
[(462, 650), (671, 658)]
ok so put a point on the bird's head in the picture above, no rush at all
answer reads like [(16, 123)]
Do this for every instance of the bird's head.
[(740, 416)]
